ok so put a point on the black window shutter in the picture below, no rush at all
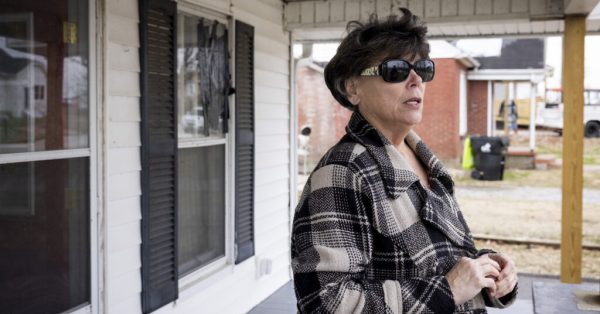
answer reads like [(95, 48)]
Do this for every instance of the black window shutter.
[(158, 22), (244, 141)]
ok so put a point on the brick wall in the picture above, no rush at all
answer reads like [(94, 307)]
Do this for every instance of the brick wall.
[(440, 125), (477, 107)]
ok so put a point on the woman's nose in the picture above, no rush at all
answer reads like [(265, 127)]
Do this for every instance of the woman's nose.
[(414, 78)]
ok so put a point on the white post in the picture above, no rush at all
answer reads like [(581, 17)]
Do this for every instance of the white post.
[(491, 122), (462, 105), (532, 111)]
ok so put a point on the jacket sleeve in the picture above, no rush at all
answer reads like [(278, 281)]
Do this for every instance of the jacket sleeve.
[(504, 301), (332, 247)]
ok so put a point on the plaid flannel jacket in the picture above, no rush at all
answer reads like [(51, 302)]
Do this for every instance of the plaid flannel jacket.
[(369, 238)]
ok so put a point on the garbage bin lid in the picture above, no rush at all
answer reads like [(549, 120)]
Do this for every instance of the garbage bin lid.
[(488, 145)]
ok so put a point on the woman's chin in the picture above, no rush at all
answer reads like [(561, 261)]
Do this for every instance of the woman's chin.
[(411, 120)]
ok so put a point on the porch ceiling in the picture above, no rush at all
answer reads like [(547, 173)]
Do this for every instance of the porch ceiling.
[(319, 21)]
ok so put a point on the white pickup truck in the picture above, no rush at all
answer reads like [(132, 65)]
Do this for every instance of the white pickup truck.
[(550, 114)]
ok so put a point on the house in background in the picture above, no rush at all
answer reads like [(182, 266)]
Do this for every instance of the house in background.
[(318, 110), (445, 113), (518, 73)]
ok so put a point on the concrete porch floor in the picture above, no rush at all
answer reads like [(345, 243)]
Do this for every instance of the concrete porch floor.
[(283, 301)]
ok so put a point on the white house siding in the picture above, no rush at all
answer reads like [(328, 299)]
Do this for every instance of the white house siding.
[(237, 289), (123, 210), (234, 289)]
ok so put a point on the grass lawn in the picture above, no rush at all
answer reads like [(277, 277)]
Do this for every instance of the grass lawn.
[(551, 144)]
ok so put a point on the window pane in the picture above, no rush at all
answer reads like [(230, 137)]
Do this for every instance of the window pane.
[(594, 97), (44, 97), (203, 77), (201, 206), (44, 236)]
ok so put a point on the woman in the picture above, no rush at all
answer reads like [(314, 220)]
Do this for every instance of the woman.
[(377, 229)]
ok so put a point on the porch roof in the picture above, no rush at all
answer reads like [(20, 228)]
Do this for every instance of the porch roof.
[(325, 21)]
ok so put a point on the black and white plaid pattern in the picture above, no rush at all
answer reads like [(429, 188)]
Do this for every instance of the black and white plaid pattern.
[(369, 238)]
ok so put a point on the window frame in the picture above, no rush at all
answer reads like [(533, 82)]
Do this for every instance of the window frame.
[(90, 152), (202, 275)]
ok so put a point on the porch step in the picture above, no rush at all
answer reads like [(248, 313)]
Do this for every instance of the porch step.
[(519, 158), (546, 161)]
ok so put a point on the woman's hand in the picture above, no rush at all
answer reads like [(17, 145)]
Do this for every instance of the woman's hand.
[(507, 279), (469, 276)]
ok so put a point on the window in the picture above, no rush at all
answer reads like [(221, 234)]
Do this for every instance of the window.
[(202, 103), (44, 156), (188, 155), (592, 97)]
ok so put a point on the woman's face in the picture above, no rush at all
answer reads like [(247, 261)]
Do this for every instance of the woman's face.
[(389, 105)]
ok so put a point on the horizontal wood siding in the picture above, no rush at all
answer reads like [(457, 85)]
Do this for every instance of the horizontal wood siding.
[(272, 155), (272, 146), (123, 261), (272, 120)]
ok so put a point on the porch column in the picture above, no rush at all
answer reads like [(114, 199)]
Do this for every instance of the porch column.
[(572, 171), (532, 112)]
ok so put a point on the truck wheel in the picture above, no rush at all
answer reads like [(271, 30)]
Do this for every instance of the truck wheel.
[(592, 129)]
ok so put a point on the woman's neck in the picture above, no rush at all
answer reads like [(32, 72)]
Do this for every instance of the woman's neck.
[(394, 133)]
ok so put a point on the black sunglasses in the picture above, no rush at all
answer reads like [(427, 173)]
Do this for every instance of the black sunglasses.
[(397, 70)]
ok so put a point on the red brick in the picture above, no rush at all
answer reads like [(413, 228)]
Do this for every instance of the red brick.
[(477, 107)]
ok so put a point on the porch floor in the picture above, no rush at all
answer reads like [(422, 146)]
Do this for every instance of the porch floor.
[(283, 300)]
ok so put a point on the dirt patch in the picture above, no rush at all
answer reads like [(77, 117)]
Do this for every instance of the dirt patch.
[(525, 219), (543, 260)]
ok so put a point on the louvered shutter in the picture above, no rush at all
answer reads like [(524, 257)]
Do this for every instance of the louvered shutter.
[(244, 141), (159, 153)]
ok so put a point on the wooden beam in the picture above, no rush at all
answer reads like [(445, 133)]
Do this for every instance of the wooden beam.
[(572, 171)]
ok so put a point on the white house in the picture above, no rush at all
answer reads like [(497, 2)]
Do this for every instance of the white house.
[(163, 190)]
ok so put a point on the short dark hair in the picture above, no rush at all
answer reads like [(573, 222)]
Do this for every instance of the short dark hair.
[(371, 43)]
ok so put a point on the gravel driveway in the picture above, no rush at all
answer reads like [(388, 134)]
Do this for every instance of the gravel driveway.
[(590, 196)]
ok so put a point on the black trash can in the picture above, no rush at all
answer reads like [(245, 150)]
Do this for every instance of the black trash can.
[(488, 156)]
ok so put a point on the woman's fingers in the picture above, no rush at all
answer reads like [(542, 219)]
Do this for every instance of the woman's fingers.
[(486, 260), (509, 268), (507, 278), (506, 285), (489, 283), (490, 271)]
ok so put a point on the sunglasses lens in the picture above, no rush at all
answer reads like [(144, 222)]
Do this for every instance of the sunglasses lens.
[(395, 70), (425, 69)]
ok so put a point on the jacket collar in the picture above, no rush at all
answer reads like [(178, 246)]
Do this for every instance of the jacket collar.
[(398, 176), (396, 172)]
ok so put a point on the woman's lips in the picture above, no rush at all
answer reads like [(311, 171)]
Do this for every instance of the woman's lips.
[(413, 102)]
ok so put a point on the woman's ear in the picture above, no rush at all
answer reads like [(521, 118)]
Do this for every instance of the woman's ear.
[(351, 87)]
